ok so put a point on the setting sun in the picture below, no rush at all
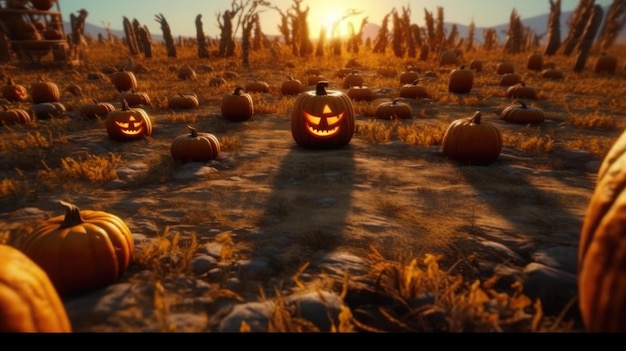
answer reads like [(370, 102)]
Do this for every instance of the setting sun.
[(334, 24)]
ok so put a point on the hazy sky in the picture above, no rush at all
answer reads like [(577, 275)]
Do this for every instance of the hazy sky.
[(181, 14)]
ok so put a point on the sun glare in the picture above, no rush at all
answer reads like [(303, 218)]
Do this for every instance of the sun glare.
[(334, 25)]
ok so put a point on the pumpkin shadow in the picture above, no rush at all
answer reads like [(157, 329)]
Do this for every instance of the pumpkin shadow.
[(538, 219), (306, 211)]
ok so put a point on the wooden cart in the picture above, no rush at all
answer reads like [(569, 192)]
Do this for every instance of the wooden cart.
[(34, 38)]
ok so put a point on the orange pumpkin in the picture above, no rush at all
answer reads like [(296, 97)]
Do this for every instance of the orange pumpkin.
[(605, 64), (393, 110), (461, 80), (476, 65), (291, 86), (505, 67), (44, 91), (602, 248), (82, 250), (10, 116), (185, 72), (124, 80), (448, 57), (534, 61), (322, 118), (129, 123), (183, 101), (409, 76), (136, 98), (14, 92), (414, 90), (217, 81), (237, 106), (508, 79), (96, 109), (353, 79), (521, 91), (471, 140), (521, 113), (29, 301), (552, 73), (257, 86), (361, 93), (195, 147)]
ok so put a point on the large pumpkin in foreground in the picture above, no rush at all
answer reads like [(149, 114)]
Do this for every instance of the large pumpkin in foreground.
[(28, 300), (602, 247), (322, 118), (80, 251), (471, 140)]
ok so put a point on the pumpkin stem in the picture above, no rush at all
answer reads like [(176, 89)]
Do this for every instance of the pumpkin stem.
[(521, 103), (395, 101), (238, 90), (320, 88), (72, 215), (194, 132), (476, 117), (125, 106)]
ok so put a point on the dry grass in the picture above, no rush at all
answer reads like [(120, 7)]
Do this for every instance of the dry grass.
[(448, 302)]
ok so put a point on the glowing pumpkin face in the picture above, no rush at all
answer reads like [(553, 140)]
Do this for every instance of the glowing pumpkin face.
[(128, 123), (324, 126), (322, 119)]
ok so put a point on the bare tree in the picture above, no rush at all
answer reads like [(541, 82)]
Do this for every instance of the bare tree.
[(167, 35), (577, 25), (615, 21), (591, 29), (554, 28), (203, 52)]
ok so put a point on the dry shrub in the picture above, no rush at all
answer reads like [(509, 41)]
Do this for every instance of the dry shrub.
[(91, 168)]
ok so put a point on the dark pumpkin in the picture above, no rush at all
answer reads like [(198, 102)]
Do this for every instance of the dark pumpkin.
[(195, 147), (44, 91), (96, 109), (322, 118), (414, 90), (237, 106), (291, 86), (461, 80), (521, 113), (472, 141), (521, 91), (393, 110), (124, 80)]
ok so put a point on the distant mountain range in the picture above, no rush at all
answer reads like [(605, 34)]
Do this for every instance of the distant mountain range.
[(539, 24)]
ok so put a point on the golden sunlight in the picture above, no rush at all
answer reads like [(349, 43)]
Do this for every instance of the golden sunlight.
[(335, 24)]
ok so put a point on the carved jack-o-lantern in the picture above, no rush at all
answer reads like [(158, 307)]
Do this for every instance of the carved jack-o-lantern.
[(322, 119), (128, 123)]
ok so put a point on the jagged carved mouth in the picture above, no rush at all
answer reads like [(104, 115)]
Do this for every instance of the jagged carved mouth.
[(323, 126), (132, 127)]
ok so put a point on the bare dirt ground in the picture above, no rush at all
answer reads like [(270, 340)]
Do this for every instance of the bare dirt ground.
[(284, 204)]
